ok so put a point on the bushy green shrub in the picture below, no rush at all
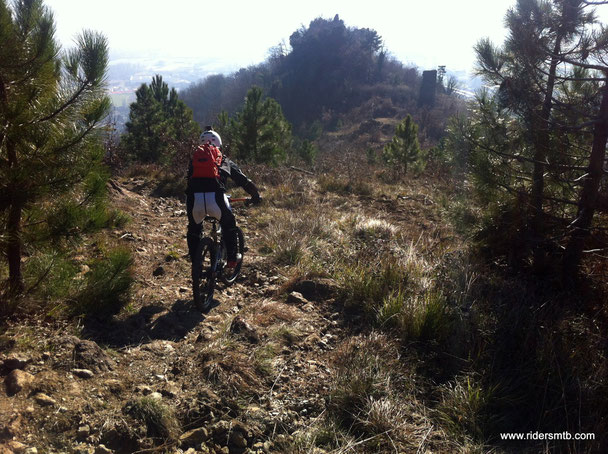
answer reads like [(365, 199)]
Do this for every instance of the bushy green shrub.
[(106, 288), (404, 150), (50, 275), (307, 151)]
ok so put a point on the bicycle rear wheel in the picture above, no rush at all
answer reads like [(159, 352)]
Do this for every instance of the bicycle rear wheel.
[(240, 249), (204, 268)]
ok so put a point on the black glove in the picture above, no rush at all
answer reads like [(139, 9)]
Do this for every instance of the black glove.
[(256, 199)]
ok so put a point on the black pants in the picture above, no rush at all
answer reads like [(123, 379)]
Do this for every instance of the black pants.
[(227, 222)]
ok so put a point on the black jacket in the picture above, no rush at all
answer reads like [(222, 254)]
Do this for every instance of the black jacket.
[(227, 169)]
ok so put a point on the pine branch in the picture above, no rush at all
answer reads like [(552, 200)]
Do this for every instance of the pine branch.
[(76, 140), (545, 197), (580, 64), (527, 159), (73, 99)]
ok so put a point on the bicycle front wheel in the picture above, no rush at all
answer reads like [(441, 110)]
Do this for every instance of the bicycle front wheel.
[(204, 268), (240, 249)]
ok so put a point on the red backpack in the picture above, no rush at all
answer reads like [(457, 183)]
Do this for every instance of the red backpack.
[(206, 161)]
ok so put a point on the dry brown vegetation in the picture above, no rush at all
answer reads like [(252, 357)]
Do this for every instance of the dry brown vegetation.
[(361, 323)]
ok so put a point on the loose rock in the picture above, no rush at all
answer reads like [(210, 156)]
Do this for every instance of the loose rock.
[(170, 390), (297, 298), (16, 361), (115, 386), (83, 432), (240, 326), (88, 355), (156, 396), (194, 437), (44, 400), (316, 290), (83, 373), (143, 389), (15, 447), (16, 381), (237, 439)]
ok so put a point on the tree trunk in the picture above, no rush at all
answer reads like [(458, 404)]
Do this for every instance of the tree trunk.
[(14, 248), (13, 228), (542, 147), (589, 195), (4, 101)]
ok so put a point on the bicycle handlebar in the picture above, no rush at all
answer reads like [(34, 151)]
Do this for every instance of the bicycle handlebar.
[(247, 200)]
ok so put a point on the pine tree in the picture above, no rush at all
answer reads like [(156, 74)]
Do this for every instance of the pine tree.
[(404, 149), (51, 109), (594, 172), (538, 143), (535, 158), (145, 128), (160, 125), (261, 132)]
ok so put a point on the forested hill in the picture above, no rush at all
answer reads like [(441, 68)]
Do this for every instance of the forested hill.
[(327, 70), (405, 286)]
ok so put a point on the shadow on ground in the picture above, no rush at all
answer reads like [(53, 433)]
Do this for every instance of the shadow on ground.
[(152, 322)]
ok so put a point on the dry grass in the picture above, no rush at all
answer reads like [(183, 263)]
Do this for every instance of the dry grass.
[(332, 228), (159, 419), (271, 312), (373, 397), (344, 186), (463, 408), (466, 330), (165, 181), (224, 363)]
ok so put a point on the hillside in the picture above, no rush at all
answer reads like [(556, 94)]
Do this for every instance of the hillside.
[(329, 75), (256, 372), (359, 324)]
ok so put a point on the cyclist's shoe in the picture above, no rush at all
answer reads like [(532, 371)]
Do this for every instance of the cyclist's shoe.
[(234, 263)]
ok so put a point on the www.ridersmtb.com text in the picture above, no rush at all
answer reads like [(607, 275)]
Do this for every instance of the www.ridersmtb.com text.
[(547, 436)]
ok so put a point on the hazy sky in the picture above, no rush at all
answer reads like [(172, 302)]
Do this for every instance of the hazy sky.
[(240, 32)]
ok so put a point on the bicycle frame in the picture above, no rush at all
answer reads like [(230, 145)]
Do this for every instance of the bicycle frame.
[(215, 230), (205, 276), (215, 235)]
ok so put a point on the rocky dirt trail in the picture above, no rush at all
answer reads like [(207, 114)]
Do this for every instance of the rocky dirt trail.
[(244, 377)]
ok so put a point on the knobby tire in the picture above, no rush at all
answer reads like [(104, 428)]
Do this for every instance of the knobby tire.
[(204, 269)]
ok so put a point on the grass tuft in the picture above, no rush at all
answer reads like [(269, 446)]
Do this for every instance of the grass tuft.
[(464, 408), (365, 369), (365, 285), (344, 186), (159, 419), (224, 364)]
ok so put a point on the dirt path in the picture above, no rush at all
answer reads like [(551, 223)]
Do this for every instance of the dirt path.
[(246, 375)]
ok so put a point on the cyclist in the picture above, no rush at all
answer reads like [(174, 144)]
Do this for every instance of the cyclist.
[(206, 196)]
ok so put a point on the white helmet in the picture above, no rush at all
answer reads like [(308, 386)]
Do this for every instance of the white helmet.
[(211, 137)]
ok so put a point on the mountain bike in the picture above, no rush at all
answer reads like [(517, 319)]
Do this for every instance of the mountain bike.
[(210, 259)]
